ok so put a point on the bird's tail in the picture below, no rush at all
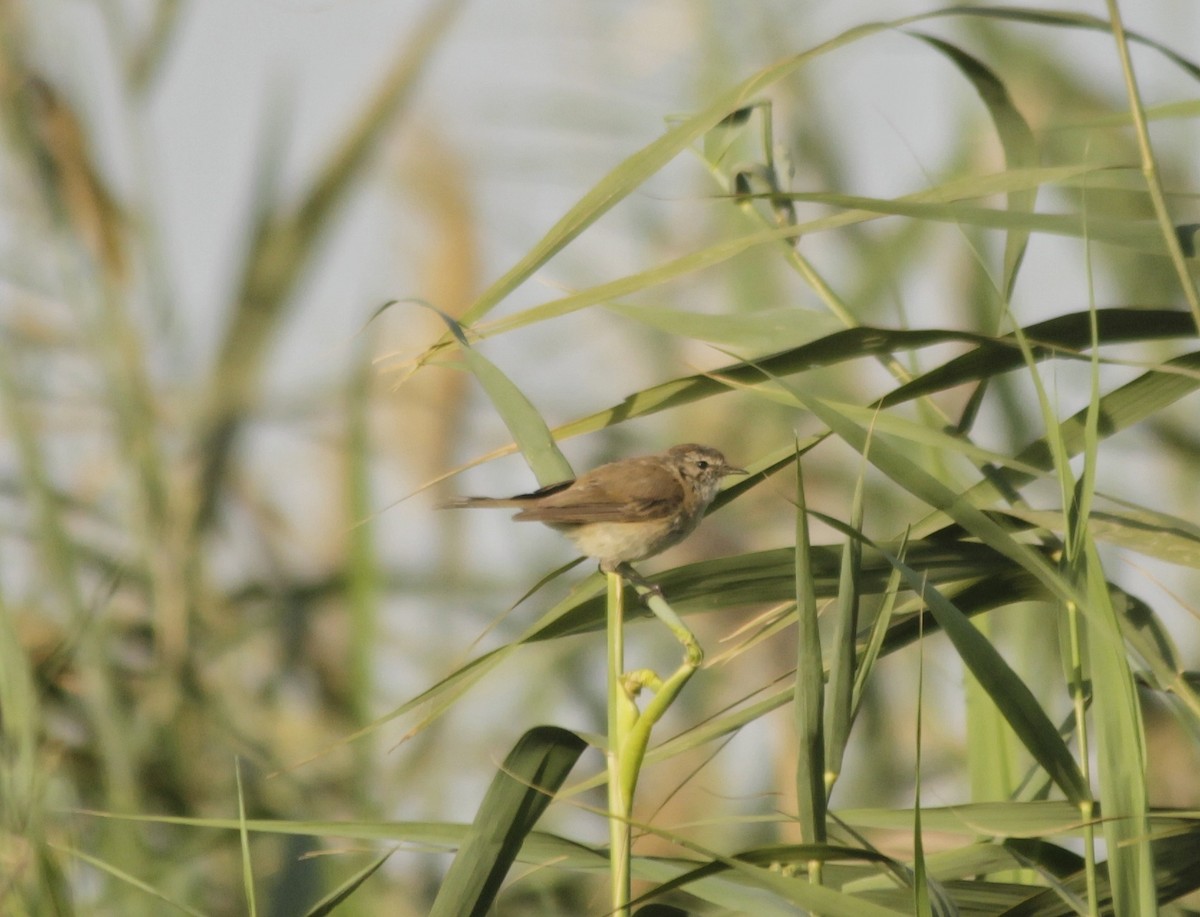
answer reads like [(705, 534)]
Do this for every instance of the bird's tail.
[(486, 502), (520, 500)]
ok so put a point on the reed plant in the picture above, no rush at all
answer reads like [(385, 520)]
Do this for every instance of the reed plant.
[(948, 626)]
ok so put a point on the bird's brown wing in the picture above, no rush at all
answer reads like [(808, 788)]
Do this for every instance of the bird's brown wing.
[(635, 490)]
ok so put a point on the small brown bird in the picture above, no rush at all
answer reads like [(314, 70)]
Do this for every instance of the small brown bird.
[(629, 509)]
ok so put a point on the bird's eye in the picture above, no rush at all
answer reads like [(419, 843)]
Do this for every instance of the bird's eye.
[(701, 464)]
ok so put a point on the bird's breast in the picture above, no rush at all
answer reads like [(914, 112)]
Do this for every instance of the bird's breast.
[(621, 542)]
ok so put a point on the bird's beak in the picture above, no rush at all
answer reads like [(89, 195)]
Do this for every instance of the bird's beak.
[(730, 469)]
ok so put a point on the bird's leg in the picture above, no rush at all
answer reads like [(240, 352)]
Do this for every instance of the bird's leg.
[(640, 583), (651, 594)]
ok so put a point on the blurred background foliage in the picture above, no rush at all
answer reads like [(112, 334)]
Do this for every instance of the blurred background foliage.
[(219, 554)]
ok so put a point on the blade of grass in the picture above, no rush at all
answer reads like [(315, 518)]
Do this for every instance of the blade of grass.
[(920, 898), (853, 209), (330, 902), (923, 485), (244, 844), (519, 794), (1020, 149), (990, 819), (880, 628), (773, 856), (1177, 862), (1120, 408), (809, 702), (526, 425), (1012, 697), (126, 878), (839, 711), (1150, 166), (1071, 20), (1060, 336), (1154, 534), (1057, 336), (1120, 749), (753, 332), (991, 356), (632, 173)]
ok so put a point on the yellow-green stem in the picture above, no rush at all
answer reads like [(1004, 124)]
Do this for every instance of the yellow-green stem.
[(628, 728), (1154, 186), (619, 805)]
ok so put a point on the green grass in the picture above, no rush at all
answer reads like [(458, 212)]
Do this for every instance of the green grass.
[(943, 616)]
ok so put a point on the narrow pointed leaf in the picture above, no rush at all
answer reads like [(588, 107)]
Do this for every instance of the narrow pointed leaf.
[(526, 425), (1020, 148), (809, 703), (1010, 694), (520, 792)]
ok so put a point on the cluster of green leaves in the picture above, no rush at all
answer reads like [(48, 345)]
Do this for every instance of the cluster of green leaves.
[(1060, 819), (999, 551)]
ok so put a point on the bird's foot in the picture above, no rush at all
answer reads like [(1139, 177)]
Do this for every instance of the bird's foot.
[(642, 586)]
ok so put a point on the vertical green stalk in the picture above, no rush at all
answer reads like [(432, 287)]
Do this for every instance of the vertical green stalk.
[(809, 703), (1087, 805), (1154, 186), (628, 727), (921, 904), (244, 837), (844, 651), (620, 807)]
